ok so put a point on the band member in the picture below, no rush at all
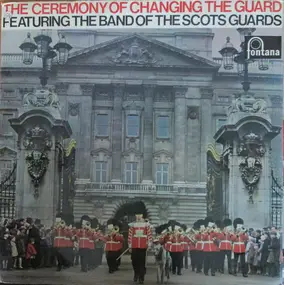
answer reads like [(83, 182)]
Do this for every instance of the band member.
[(239, 240), (139, 239), (226, 245), (118, 261), (60, 241), (113, 246), (176, 248), (84, 235), (69, 259), (199, 246), (209, 238), (93, 254), (185, 243)]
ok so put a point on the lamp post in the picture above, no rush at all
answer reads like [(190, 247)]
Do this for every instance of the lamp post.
[(230, 55), (41, 47)]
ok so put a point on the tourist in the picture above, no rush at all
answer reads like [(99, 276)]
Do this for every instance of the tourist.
[(14, 251)]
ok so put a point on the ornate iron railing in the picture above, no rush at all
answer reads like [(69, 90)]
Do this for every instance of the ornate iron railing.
[(7, 194), (276, 202)]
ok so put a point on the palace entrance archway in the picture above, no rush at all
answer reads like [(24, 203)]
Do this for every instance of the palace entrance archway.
[(126, 214)]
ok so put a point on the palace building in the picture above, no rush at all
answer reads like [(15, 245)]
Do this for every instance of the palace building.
[(143, 108)]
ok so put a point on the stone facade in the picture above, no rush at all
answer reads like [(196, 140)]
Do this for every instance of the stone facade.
[(143, 109)]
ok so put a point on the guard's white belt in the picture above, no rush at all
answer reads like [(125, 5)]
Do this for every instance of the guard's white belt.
[(225, 241), (84, 238), (200, 242), (208, 242), (92, 241), (59, 237), (176, 243), (238, 243), (113, 242), (140, 236)]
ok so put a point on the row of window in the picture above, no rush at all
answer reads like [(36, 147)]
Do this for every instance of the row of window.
[(131, 173), (132, 126)]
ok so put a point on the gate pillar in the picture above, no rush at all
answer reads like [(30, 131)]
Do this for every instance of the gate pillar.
[(40, 129), (246, 138)]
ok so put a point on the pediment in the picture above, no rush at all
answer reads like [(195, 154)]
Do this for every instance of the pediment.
[(162, 152), (6, 152), (139, 51), (100, 150), (132, 151)]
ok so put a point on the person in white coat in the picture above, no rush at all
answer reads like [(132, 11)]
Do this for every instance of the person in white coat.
[(14, 251)]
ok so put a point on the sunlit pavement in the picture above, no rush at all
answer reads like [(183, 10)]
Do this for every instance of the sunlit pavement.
[(124, 276)]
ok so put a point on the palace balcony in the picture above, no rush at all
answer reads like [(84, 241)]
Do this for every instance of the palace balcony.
[(87, 188)]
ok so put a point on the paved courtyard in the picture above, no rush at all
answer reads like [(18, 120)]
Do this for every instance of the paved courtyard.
[(124, 276)]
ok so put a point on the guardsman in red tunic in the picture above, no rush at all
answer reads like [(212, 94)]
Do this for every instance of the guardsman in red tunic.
[(139, 240), (84, 235), (176, 248), (185, 244), (69, 245), (209, 238), (225, 245), (60, 241), (239, 240), (191, 247), (113, 242), (199, 246)]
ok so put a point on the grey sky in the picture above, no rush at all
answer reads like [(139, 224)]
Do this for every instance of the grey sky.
[(12, 39)]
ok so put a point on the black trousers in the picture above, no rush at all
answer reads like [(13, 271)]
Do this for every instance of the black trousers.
[(224, 254), (85, 258), (176, 262), (193, 259), (138, 258), (209, 262), (199, 260), (185, 259), (243, 264), (59, 253), (111, 260), (92, 259)]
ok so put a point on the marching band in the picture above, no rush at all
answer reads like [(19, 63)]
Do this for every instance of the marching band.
[(208, 243)]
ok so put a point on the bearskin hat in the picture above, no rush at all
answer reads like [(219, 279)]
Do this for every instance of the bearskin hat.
[(208, 220), (29, 220), (218, 224), (110, 221), (202, 223), (227, 222), (94, 223), (69, 219), (196, 225), (85, 218), (159, 229), (184, 227), (238, 221)]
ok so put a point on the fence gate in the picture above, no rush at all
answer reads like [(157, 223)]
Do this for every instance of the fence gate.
[(276, 202), (215, 206), (7, 194)]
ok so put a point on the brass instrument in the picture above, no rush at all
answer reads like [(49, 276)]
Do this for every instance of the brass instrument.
[(115, 229), (180, 231)]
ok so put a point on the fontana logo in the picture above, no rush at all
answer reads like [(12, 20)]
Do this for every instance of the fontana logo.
[(263, 47)]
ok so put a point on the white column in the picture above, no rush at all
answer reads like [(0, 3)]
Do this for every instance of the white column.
[(117, 133), (180, 134), (148, 135)]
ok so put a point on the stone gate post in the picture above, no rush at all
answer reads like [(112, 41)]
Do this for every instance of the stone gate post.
[(246, 138), (40, 130)]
